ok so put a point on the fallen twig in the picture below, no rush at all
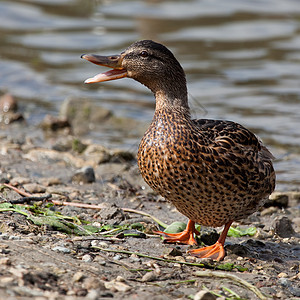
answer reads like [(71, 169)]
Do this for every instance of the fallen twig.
[(81, 205), (159, 222), (20, 192), (234, 278), (28, 199), (201, 265)]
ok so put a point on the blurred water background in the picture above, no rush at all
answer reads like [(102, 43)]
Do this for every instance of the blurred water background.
[(242, 60)]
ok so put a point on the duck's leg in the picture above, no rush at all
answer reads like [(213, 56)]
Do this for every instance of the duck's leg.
[(215, 251), (184, 237)]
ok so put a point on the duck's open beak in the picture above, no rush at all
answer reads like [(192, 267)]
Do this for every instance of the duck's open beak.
[(113, 62)]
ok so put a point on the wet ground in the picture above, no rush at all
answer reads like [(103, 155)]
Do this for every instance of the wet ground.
[(41, 260)]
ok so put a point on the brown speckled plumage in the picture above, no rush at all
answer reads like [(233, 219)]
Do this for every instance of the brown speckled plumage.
[(213, 171)]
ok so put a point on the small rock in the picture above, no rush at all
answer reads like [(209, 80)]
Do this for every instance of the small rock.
[(113, 215), (121, 156), (284, 282), (52, 156), (7, 280), (8, 103), (100, 260), (34, 188), (61, 249), (174, 252), (51, 123), (278, 199), (78, 146), (134, 258), (19, 180), (96, 154), (87, 258), (282, 275), (51, 181), (84, 175), (283, 227), (5, 261), (93, 283), (120, 279), (296, 222), (117, 257), (117, 286), (148, 277), (78, 276), (204, 295), (269, 211), (268, 290)]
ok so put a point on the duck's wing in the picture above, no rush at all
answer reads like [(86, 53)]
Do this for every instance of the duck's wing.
[(231, 136)]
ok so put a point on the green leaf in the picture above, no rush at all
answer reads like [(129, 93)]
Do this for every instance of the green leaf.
[(238, 232), (175, 227)]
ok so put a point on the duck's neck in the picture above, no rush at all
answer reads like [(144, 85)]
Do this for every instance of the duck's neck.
[(172, 98)]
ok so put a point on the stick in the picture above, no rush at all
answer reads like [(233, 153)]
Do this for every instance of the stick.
[(232, 277), (202, 265), (28, 199), (159, 222)]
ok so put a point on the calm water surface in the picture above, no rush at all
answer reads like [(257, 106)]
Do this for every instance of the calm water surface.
[(242, 60)]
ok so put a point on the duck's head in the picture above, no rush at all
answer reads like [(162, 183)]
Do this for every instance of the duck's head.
[(150, 63)]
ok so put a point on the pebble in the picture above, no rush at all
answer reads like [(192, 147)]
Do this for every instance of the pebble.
[(120, 279), (50, 157), (134, 258), (34, 188), (93, 283), (268, 290), (284, 282), (78, 276), (283, 227), (84, 175), (296, 222), (61, 249), (261, 234), (282, 275), (278, 199), (117, 286), (117, 257), (87, 258), (204, 295), (100, 260), (8, 103), (19, 180), (51, 181), (148, 277), (5, 261), (97, 154), (269, 211), (14, 237), (52, 123)]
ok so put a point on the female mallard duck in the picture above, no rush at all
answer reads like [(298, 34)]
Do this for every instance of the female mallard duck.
[(213, 171)]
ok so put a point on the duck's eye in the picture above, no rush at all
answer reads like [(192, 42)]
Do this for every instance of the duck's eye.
[(144, 54)]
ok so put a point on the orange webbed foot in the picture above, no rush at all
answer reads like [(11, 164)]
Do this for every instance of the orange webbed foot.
[(215, 252), (184, 237)]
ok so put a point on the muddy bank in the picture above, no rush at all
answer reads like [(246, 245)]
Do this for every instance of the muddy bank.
[(118, 256)]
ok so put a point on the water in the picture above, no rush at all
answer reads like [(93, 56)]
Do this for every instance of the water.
[(242, 61)]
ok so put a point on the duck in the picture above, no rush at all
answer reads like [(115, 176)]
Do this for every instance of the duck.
[(214, 172)]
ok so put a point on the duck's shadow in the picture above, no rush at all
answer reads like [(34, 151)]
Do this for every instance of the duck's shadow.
[(266, 251)]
